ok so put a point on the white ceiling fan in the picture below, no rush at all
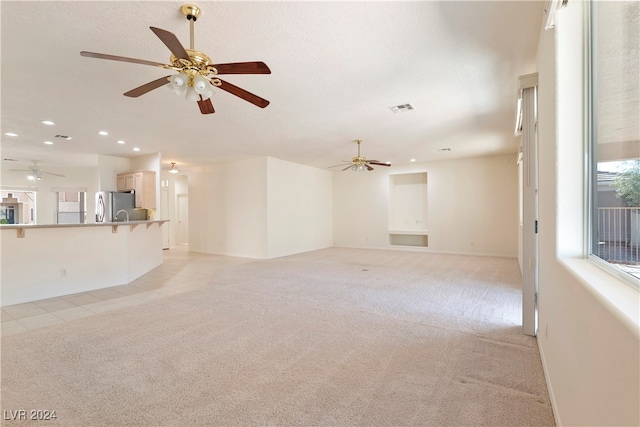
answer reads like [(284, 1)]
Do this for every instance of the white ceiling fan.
[(35, 174)]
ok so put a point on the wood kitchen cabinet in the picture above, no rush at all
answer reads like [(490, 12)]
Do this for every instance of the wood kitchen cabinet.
[(143, 184), (126, 182)]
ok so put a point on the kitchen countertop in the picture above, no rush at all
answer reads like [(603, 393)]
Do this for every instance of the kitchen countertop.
[(90, 224)]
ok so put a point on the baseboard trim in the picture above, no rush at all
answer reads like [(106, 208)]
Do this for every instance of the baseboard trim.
[(552, 398)]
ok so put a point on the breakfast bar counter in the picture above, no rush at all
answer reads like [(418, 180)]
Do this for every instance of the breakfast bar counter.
[(50, 260)]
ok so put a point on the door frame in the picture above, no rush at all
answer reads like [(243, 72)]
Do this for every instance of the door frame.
[(530, 225)]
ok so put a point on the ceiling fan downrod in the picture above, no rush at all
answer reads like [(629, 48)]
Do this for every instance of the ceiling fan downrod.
[(192, 12)]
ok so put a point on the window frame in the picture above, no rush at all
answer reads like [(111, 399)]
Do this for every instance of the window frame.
[(591, 155)]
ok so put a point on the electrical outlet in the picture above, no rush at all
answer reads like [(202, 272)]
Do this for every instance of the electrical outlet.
[(63, 272)]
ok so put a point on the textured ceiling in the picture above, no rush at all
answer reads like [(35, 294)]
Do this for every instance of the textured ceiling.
[(336, 67)]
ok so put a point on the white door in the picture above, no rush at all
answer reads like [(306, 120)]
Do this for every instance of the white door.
[(183, 219)]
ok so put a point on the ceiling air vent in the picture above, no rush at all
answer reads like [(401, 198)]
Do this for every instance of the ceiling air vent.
[(401, 108), (63, 137)]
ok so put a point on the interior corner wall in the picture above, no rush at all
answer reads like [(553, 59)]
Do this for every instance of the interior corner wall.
[(299, 208), (590, 353), (228, 208), (108, 169), (472, 206)]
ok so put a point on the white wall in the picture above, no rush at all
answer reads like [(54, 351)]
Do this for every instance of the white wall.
[(93, 256), (259, 208), (360, 215), (108, 169), (228, 208), (472, 206), (589, 327), (299, 208)]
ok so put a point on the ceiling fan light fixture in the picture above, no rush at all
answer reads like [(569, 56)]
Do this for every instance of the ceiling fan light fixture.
[(195, 70), (173, 168), (178, 83), (202, 86), (191, 94)]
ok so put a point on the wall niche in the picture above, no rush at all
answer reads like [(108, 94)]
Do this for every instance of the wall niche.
[(408, 209)]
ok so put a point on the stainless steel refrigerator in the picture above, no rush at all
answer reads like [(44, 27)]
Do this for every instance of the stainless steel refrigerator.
[(109, 203)]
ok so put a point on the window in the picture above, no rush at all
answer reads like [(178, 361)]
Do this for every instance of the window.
[(72, 207), (17, 207), (615, 136)]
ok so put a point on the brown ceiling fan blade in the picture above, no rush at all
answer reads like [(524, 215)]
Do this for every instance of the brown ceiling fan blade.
[(348, 167), (369, 168), (120, 58), (148, 87), (341, 164), (206, 107), (377, 162), (241, 93), (53, 174), (172, 42), (257, 67)]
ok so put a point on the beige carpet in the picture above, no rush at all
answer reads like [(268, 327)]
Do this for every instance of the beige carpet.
[(330, 338)]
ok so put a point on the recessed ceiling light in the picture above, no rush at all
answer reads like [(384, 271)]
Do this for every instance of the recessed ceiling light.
[(412, 160), (136, 149), (103, 133), (120, 141), (11, 134), (47, 122), (48, 142)]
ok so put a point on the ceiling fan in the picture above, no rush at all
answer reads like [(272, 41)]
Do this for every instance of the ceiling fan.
[(360, 163), (196, 74), (35, 174)]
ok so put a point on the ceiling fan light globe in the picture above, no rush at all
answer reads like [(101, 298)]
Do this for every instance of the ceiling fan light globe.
[(178, 83), (201, 85), (192, 95), (208, 93)]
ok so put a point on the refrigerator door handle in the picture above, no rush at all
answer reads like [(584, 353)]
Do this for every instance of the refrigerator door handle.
[(100, 208)]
